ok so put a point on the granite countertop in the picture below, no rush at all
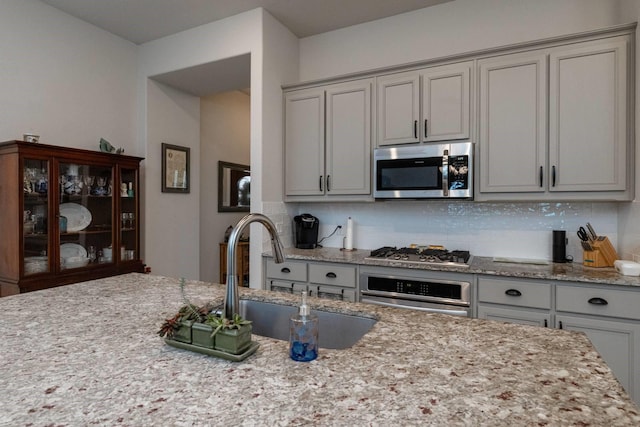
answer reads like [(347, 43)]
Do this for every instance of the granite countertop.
[(88, 354), (574, 272)]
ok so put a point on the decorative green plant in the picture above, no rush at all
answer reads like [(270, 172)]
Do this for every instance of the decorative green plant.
[(188, 312), (204, 314), (223, 323), (170, 326)]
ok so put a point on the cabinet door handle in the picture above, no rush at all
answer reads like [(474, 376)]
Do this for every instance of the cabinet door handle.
[(331, 275), (541, 176), (425, 127), (415, 129), (328, 182), (553, 175), (598, 301), (513, 292), (285, 270), (320, 182)]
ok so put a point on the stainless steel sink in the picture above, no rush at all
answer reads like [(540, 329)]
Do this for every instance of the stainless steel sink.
[(336, 330)]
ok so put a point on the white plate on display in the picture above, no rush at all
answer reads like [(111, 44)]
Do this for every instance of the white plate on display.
[(68, 250), (78, 217)]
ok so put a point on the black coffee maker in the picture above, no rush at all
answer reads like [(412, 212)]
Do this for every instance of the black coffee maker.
[(306, 231)]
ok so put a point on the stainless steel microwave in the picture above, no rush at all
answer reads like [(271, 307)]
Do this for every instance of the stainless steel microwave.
[(428, 171)]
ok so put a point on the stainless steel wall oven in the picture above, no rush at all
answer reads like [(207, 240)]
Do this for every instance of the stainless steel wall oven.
[(415, 289)]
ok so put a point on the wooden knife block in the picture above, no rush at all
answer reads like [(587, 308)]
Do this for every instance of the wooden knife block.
[(602, 255)]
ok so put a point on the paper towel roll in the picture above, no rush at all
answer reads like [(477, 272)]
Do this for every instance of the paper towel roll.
[(348, 240)]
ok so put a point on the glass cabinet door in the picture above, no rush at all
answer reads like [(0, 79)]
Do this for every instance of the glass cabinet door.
[(35, 227), (85, 221), (128, 215)]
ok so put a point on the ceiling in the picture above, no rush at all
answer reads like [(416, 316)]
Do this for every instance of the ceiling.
[(213, 77), (140, 21)]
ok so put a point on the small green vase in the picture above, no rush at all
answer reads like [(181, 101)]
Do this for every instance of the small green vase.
[(234, 341), (201, 335)]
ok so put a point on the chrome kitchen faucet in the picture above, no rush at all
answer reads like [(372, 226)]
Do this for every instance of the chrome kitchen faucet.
[(231, 305)]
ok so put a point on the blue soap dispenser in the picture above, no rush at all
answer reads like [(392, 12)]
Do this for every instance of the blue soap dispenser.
[(303, 333)]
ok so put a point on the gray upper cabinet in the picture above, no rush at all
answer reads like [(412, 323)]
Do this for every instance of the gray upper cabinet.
[(328, 141), (432, 104), (553, 120), (446, 102), (588, 116), (513, 123), (398, 108), (581, 152), (304, 142)]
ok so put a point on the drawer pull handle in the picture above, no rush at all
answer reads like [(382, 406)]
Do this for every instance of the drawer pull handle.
[(285, 270), (598, 301), (513, 292), (331, 275)]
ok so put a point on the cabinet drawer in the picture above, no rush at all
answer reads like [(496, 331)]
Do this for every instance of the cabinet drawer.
[(286, 287), (331, 274), (598, 301), (333, 292), (288, 270), (521, 293), (515, 315)]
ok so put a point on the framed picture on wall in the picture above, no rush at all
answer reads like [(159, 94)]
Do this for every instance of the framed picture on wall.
[(234, 187), (175, 169)]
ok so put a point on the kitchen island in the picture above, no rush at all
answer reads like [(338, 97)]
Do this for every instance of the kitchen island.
[(88, 354)]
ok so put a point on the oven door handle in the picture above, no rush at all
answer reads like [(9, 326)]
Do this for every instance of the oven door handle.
[(411, 307)]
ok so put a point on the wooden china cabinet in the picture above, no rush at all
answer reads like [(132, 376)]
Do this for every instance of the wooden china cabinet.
[(67, 215)]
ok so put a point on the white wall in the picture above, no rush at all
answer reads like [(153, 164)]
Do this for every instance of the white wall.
[(521, 230), (499, 229), (449, 28), (68, 81), (230, 37), (172, 219), (224, 136), (278, 66), (629, 213), (253, 32)]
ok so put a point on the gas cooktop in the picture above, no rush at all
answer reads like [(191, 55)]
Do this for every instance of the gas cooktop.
[(430, 255)]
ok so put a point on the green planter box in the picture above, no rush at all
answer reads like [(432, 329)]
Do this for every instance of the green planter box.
[(234, 341), (201, 335), (183, 334)]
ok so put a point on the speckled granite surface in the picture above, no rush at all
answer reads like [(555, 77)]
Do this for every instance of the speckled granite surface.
[(574, 272), (88, 354)]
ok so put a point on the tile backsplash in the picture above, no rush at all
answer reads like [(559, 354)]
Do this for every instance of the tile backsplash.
[(519, 230)]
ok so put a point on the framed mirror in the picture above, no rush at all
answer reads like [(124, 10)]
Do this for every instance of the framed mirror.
[(234, 187)]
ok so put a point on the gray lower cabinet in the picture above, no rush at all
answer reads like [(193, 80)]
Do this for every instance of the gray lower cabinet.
[(514, 301), (521, 316), (618, 342), (611, 320), (290, 276), (322, 280), (607, 314), (333, 281)]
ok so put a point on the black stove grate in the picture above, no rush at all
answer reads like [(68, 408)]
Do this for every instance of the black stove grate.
[(421, 254)]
